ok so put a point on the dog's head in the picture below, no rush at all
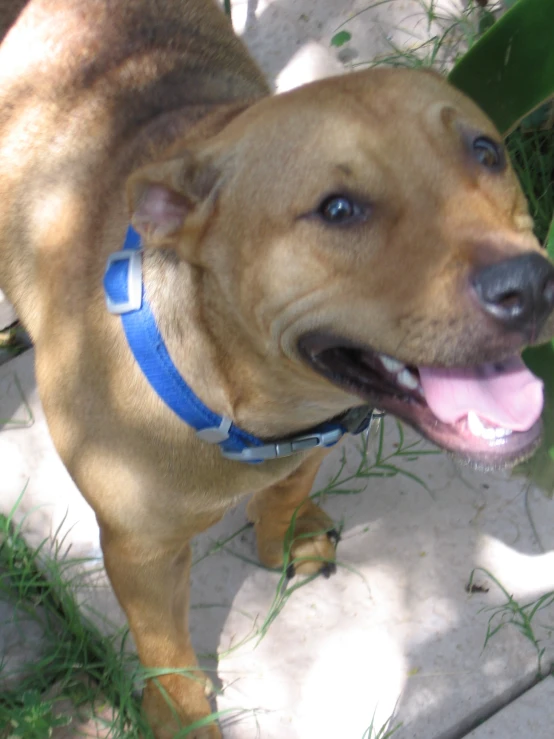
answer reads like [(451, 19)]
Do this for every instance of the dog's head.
[(369, 239)]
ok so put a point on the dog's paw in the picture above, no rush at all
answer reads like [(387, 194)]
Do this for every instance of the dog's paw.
[(314, 552), (206, 732), (307, 543), (303, 562), (182, 704)]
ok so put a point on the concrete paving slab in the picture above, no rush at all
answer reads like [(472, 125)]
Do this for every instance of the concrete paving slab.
[(393, 633), (531, 715), (397, 632)]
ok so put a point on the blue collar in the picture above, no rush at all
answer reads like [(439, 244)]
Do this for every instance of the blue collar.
[(125, 296)]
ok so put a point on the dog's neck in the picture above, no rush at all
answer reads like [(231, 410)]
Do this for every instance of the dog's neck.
[(220, 363), (126, 296)]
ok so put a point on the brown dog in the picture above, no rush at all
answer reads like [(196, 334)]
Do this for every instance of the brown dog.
[(355, 240)]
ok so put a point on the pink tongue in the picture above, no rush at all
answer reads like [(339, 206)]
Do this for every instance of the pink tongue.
[(505, 394)]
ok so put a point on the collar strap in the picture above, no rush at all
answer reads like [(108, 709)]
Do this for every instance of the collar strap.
[(125, 296)]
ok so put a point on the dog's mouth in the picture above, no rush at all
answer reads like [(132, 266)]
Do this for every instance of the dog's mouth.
[(488, 414)]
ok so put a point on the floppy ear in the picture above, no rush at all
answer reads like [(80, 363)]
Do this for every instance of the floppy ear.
[(172, 198)]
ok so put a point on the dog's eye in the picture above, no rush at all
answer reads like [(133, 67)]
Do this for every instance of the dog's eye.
[(488, 153), (337, 209)]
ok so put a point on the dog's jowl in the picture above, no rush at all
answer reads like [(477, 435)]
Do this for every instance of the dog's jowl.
[(220, 283)]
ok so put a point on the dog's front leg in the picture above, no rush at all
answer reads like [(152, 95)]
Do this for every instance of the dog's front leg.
[(151, 581), (285, 518)]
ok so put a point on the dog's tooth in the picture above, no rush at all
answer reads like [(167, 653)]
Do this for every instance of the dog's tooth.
[(390, 364), (474, 424), (407, 379), (478, 428), (501, 433)]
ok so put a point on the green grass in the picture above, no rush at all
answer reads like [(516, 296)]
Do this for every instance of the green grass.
[(384, 464), (381, 464), (532, 154), (522, 617), (384, 732), (439, 40), (79, 663), (95, 671)]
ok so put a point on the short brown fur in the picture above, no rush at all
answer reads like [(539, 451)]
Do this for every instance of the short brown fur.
[(100, 102)]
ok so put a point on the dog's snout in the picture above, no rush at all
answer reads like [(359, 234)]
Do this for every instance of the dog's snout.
[(518, 292)]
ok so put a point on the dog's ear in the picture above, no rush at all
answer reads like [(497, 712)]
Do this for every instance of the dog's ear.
[(168, 198)]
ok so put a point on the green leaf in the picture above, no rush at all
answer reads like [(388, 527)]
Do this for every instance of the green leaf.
[(341, 38), (539, 118), (550, 240), (486, 21), (509, 72)]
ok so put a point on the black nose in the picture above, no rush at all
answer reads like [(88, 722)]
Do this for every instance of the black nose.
[(518, 292)]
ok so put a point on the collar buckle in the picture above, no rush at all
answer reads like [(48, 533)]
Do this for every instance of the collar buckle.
[(287, 447)]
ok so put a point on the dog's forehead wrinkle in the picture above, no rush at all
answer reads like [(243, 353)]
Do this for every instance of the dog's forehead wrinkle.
[(355, 158), (339, 121), (353, 145), (344, 169)]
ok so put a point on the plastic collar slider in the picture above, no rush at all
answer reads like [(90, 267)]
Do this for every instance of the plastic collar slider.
[(134, 282)]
